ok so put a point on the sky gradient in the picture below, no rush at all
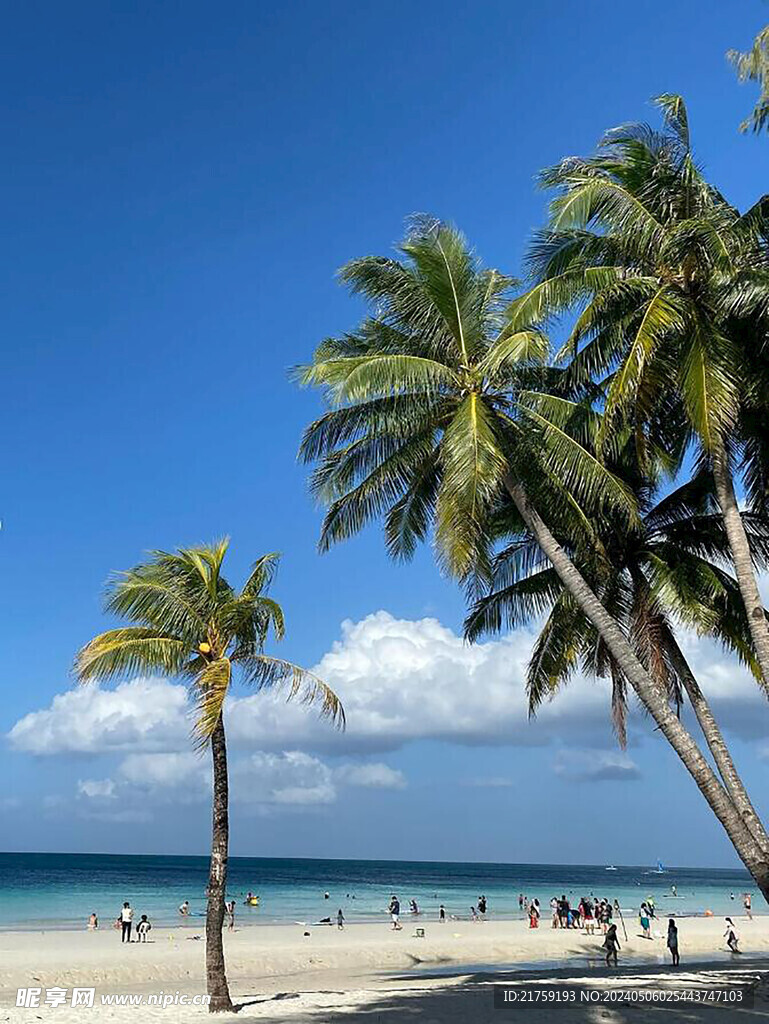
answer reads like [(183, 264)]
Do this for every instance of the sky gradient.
[(182, 182)]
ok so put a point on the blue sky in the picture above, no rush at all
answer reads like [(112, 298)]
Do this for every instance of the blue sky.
[(181, 183)]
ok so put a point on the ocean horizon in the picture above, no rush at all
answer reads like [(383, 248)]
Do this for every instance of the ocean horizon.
[(60, 890)]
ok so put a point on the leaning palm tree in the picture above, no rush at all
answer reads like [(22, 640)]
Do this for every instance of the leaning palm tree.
[(188, 622), (432, 422), (667, 571), (670, 284)]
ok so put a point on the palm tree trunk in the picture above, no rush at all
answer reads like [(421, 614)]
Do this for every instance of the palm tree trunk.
[(741, 557), (717, 744), (216, 976), (751, 854)]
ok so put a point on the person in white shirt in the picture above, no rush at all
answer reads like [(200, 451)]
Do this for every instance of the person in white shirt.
[(126, 918), (184, 909)]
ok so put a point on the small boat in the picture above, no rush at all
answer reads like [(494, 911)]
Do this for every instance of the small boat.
[(659, 870), (610, 868)]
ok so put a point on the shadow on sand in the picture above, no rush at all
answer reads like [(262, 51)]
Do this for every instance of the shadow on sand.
[(459, 998)]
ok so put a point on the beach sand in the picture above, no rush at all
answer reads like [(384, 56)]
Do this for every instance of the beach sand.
[(366, 972)]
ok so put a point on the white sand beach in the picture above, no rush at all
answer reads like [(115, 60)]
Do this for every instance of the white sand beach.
[(364, 973)]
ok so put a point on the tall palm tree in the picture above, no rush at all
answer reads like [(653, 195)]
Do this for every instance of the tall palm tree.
[(430, 425), (188, 622), (667, 571), (753, 66), (670, 283)]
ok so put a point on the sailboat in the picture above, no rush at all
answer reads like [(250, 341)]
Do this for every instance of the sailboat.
[(659, 870)]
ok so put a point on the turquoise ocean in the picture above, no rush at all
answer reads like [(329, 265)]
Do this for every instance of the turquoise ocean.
[(48, 890)]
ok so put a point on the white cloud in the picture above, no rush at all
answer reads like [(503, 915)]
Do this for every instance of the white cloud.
[(148, 714), (595, 766), (177, 770), (96, 788), (374, 775), (291, 777), (400, 681)]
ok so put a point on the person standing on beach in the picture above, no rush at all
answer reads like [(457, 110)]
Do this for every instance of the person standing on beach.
[(482, 907), (126, 919), (93, 922), (611, 945), (395, 913), (442, 914), (534, 914), (673, 942), (231, 914), (340, 920), (731, 936), (554, 912), (748, 904), (645, 923)]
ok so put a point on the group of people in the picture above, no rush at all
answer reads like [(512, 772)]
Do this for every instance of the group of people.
[(124, 924), (588, 913)]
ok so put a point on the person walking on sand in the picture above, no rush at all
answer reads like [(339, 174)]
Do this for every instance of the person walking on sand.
[(340, 919), (533, 914), (645, 923), (611, 945), (748, 904), (231, 914), (673, 942), (395, 913), (482, 907), (731, 936), (126, 919)]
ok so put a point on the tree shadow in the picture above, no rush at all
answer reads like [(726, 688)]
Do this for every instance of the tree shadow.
[(450, 999)]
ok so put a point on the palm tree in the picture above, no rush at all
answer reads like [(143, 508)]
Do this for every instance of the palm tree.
[(431, 424), (668, 570), (670, 284), (188, 622), (753, 66)]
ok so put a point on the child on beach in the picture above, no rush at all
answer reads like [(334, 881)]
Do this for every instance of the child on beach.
[(142, 928), (731, 936), (611, 945), (533, 915), (93, 922), (673, 942)]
